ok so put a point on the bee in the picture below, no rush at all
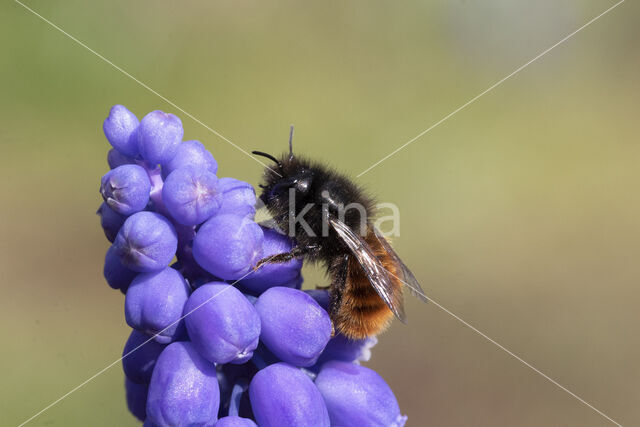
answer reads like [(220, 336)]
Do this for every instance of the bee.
[(328, 217)]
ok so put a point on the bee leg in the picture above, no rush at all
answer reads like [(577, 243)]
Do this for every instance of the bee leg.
[(296, 252)]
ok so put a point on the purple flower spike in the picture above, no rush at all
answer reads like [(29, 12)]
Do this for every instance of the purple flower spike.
[(294, 327), (222, 324), (117, 275), (116, 158), (201, 347), (154, 304), (276, 274), (358, 396), (228, 246), (191, 195), (136, 398), (146, 242), (126, 189), (159, 136), (235, 421), (282, 395), (139, 357), (184, 390), (111, 221), (120, 128), (239, 197), (191, 153)]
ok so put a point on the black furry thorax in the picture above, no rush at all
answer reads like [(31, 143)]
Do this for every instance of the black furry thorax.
[(300, 194)]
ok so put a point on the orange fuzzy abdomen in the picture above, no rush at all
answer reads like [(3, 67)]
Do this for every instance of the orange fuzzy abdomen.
[(362, 312)]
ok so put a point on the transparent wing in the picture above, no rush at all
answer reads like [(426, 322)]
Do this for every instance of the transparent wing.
[(376, 273), (408, 278)]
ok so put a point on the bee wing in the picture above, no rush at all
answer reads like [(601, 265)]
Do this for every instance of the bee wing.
[(376, 273), (408, 278)]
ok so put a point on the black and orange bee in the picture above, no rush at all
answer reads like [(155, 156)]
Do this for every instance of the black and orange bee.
[(310, 202)]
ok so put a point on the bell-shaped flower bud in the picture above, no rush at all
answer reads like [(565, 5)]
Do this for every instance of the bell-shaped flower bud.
[(282, 395), (155, 302), (126, 189), (120, 129), (357, 396), (348, 350), (238, 198), (136, 398), (222, 324), (294, 327), (184, 389), (117, 275), (139, 357), (116, 158), (228, 246), (146, 242), (191, 195), (193, 154), (110, 221), (159, 136)]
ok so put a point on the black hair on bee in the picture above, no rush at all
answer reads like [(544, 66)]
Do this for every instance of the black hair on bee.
[(329, 217)]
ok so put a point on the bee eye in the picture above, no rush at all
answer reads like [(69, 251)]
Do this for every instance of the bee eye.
[(302, 186)]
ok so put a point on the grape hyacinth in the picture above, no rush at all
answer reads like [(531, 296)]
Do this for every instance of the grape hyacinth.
[(215, 341)]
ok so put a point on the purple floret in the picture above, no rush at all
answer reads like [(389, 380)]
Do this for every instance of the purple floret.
[(155, 302), (358, 396), (139, 357), (110, 221), (120, 129), (228, 246), (159, 136), (191, 195), (116, 274), (294, 327), (126, 189), (146, 242), (136, 398), (346, 350), (282, 395), (223, 325), (192, 154), (239, 197), (184, 388), (116, 158)]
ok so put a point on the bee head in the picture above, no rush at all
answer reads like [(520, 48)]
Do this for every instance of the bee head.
[(294, 180), (290, 174)]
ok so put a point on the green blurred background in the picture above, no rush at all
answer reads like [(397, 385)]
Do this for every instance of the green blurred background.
[(520, 214)]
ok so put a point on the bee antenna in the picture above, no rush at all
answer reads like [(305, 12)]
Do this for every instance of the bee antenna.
[(268, 156), (291, 143)]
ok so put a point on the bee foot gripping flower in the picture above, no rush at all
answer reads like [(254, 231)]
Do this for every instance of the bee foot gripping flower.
[(215, 342)]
